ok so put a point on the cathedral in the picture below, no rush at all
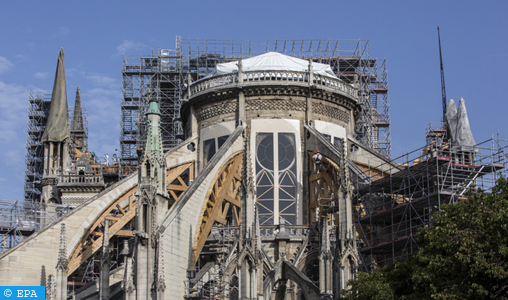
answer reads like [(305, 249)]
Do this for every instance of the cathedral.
[(255, 202)]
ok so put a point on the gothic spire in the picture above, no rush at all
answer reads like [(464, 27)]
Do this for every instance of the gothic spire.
[(153, 162), (57, 127), (62, 252), (77, 119)]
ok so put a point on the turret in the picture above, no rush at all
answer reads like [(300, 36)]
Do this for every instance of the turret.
[(152, 163)]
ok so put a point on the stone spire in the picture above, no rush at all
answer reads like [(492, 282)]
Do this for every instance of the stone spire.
[(61, 267), (104, 279), (77, 119), (50, 288), (62, 253), (153, 162), (57, 127), (161, 281)]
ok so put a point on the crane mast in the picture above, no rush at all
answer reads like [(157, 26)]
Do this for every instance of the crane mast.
[(443, 87)]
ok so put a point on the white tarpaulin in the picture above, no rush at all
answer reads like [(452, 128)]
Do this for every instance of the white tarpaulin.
[(463, 136), (273, 61), (451, 118), (458, 124)]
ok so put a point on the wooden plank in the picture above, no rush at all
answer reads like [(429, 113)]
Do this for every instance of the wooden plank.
[(175, 187), (174, 195), (236, 214), (173, 173), (232, 199), (125, 233), (181, 181), (120, 209), (316, 176)]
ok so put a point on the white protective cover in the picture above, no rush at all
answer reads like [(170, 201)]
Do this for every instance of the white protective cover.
[(458, 124), (273, 61)]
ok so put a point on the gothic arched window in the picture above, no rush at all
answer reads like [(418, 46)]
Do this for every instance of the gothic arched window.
[(276, 184)]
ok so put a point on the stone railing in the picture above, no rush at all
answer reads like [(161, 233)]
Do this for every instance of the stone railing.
[(255, 77), (85, 179), (226, 233), (231, 233), (293, 231)]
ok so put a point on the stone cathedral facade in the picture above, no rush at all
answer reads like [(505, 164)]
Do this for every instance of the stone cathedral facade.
[(255, 203)]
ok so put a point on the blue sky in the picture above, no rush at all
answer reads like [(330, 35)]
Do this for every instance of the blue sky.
[(93, 34)]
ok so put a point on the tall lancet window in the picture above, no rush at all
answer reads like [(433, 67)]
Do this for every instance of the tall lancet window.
[(276, 183)]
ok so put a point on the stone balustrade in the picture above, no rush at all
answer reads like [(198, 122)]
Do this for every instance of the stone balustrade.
[(267, 232), (256, 77), (293, 231), (76, 179)]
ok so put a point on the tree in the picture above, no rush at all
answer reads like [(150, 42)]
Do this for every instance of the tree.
[(464, 255)]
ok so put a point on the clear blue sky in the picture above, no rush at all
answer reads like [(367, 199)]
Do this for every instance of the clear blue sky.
[(474, 39)]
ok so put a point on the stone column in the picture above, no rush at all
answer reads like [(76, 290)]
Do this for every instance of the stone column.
[(325, 266), (308, 111), (189, 82), (46, 159), (322, 276), (241, 97), (259, 256), (65, 157), (241, 108), (128, 281), (59, 147), (50, 159), (245, 279)]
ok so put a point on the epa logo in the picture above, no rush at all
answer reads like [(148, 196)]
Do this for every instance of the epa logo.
[(26, 294), (16, 292)]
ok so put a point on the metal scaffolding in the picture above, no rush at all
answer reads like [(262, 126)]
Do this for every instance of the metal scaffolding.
[(144, 78), (214, 276), (38, 108), (162, 75), (393, 205), (19, 219)]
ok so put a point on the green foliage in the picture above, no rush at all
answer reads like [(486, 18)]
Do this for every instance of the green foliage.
[(370, 286), (464, 255)]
